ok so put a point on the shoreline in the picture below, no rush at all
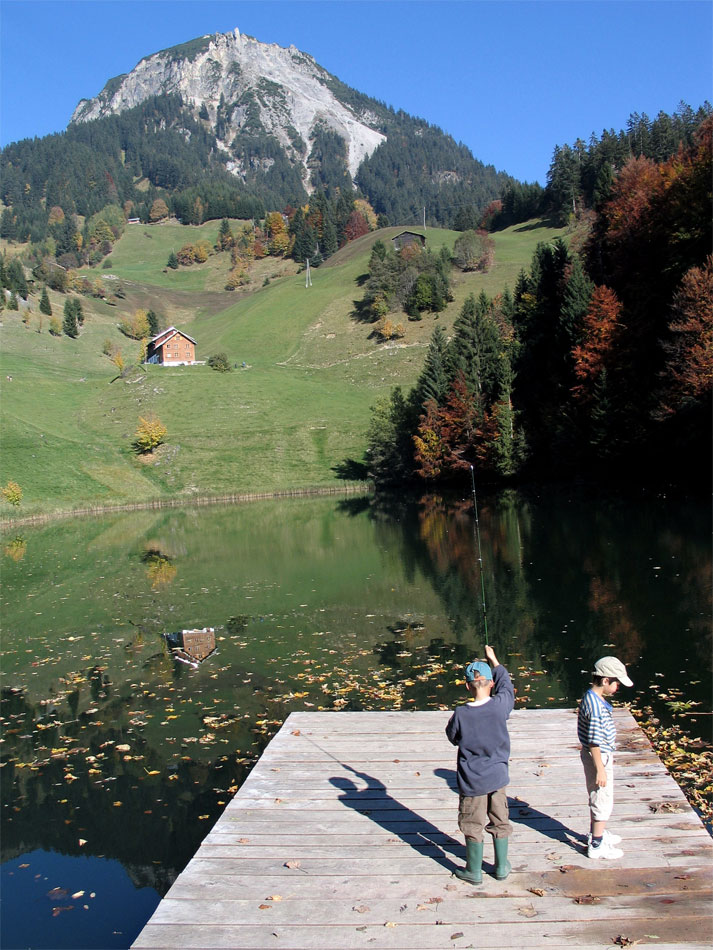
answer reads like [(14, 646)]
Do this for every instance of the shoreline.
[(350, 488)]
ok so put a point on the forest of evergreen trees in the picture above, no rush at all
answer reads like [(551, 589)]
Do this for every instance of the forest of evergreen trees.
[(599, 361)]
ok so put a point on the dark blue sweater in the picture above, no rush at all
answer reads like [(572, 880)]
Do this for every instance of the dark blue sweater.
[(481, 734)]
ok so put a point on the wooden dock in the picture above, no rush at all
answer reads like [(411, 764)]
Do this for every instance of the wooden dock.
[(345, 835)]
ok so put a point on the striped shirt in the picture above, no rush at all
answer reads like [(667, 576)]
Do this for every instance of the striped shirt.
[(595, 725)]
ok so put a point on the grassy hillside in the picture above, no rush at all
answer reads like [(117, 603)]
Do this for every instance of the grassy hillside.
[(296, 411)]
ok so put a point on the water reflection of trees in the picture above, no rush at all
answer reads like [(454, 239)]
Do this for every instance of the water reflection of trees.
[(75, 792), (568, 574)]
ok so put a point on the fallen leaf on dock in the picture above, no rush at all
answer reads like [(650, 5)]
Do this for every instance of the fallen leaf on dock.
[(537, 891), (586, 899), (527, 911)]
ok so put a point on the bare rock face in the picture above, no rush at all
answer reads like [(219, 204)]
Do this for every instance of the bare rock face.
[(280, 92)]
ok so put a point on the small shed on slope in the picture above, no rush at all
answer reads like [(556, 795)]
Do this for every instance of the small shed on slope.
[(407, 238)]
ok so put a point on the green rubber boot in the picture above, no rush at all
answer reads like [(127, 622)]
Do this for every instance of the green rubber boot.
[(502, 865), (472, 872)]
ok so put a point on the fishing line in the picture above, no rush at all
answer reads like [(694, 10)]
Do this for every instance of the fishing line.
[(480, 555)]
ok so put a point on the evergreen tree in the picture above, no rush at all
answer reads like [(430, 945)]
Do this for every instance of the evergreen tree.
[(172, 261), (476, 348), (329, 237), (433, 383), (16, 278), (69, 324), (12, 303), (45, 305), (153, 322), (389, 453)]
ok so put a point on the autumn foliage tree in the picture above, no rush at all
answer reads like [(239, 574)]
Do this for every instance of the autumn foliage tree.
[(149, 435), (597, 350), (688, 374)]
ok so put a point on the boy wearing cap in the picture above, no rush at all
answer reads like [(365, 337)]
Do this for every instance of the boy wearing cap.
[(479, 729), (597, 733)]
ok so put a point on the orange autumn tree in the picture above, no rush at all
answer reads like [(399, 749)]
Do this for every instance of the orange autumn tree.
[(594, 355), (688, 374)]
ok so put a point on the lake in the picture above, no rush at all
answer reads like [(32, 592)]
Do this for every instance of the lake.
[(116, 759)]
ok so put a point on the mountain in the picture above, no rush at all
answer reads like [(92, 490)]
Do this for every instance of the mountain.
[(243, 86), (246, 128)]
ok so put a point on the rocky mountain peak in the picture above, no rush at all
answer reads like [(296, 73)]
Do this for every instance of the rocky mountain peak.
[(240, 85)]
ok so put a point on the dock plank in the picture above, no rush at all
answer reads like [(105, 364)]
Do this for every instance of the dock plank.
[(345, 833)]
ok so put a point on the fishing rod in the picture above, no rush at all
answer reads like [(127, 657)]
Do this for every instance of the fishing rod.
[(480, 555)]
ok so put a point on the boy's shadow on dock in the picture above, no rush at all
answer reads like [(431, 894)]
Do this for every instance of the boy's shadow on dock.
[(522, 813), (375, 803)]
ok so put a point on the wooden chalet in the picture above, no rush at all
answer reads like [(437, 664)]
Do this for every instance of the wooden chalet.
[(171, 347), (407, 238)]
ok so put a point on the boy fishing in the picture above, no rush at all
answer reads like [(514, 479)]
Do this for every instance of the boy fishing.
[(597, 733), (479, 729)]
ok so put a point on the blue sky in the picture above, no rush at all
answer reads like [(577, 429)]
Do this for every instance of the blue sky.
[(510, 79)]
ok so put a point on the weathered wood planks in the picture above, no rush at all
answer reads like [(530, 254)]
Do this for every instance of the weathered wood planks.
[(345, 833)]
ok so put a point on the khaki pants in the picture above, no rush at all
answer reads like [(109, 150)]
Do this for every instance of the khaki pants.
[(601, 797), (475, 811)]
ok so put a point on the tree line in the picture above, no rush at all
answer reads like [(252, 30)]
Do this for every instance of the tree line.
[(599, 360)]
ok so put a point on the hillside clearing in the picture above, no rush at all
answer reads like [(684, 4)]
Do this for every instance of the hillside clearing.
[(289, 419)]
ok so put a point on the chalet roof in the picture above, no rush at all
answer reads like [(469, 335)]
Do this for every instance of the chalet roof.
[(165, 335), (407, 231)]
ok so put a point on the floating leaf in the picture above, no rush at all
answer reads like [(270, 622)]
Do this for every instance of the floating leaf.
[(57, 893)]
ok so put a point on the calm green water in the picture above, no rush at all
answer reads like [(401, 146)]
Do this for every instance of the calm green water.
[(116, 760)]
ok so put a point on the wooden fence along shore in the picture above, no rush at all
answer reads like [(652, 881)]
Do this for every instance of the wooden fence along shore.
[(345, 835), (191, 501)]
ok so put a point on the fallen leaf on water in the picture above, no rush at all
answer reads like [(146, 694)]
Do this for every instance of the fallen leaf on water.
[(57, 893), (56, 911), (23, 865), (77, 895), (122, 748), (82, 842)]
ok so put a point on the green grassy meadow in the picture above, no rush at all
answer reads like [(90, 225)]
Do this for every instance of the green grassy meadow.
[(296, 411)]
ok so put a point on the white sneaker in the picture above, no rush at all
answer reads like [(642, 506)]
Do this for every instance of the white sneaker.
[(607, 836), (605, 850)]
